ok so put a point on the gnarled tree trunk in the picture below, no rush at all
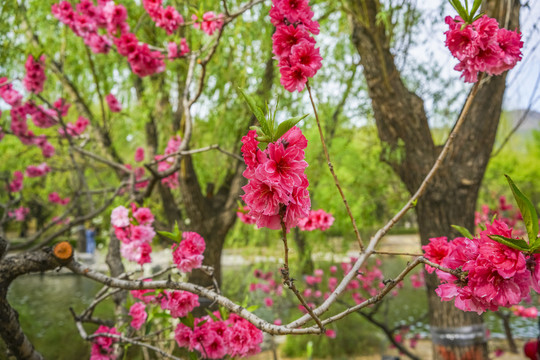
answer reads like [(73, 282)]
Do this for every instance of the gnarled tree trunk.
[(409, 149)]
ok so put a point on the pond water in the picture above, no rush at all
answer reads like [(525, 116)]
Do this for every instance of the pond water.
[(43, 303)]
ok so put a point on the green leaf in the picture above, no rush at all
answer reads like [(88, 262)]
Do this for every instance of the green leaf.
[(264, 139), (193, 356), (189, 320), (460, 9), (287, 125), (463, 231), (201, 323), (168, 235), (477, 17), (530, 217), (211, 314), (161, 315), (534, 245), (257, 129), (177, 231), (256, 111), (383, 18), (475, 7), (224, 313), (517, 244), (252, 308)]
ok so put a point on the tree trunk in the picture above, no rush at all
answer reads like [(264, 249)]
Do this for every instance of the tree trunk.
[(409, 149)]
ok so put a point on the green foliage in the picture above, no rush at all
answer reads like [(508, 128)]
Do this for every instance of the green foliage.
[(517, 159), (463, 231), (463, 11), (530, 217), (270, 130), (176, 235)]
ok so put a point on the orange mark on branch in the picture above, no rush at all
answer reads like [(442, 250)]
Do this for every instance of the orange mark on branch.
[(63, 251)]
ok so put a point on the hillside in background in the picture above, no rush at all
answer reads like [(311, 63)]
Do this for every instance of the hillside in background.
[(532, 120)]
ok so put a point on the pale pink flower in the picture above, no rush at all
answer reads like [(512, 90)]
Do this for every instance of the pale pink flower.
[(142, 233), (136, 251), (20, 213), (120, 217)]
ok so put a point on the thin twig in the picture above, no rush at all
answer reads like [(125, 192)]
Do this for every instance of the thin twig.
[(461, 275), (98, 88), (102, 160), (331, 167), (112, 282), (196, 151), (285, 273), (120, 338), (389, 286), (395, 253)]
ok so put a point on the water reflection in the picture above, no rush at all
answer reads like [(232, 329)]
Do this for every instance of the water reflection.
[(43, 303)]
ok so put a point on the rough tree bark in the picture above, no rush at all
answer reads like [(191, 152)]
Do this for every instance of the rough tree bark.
[(11, 268), (409, 149)]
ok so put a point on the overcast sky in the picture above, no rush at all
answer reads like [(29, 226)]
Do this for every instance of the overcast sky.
[(523, 79)]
